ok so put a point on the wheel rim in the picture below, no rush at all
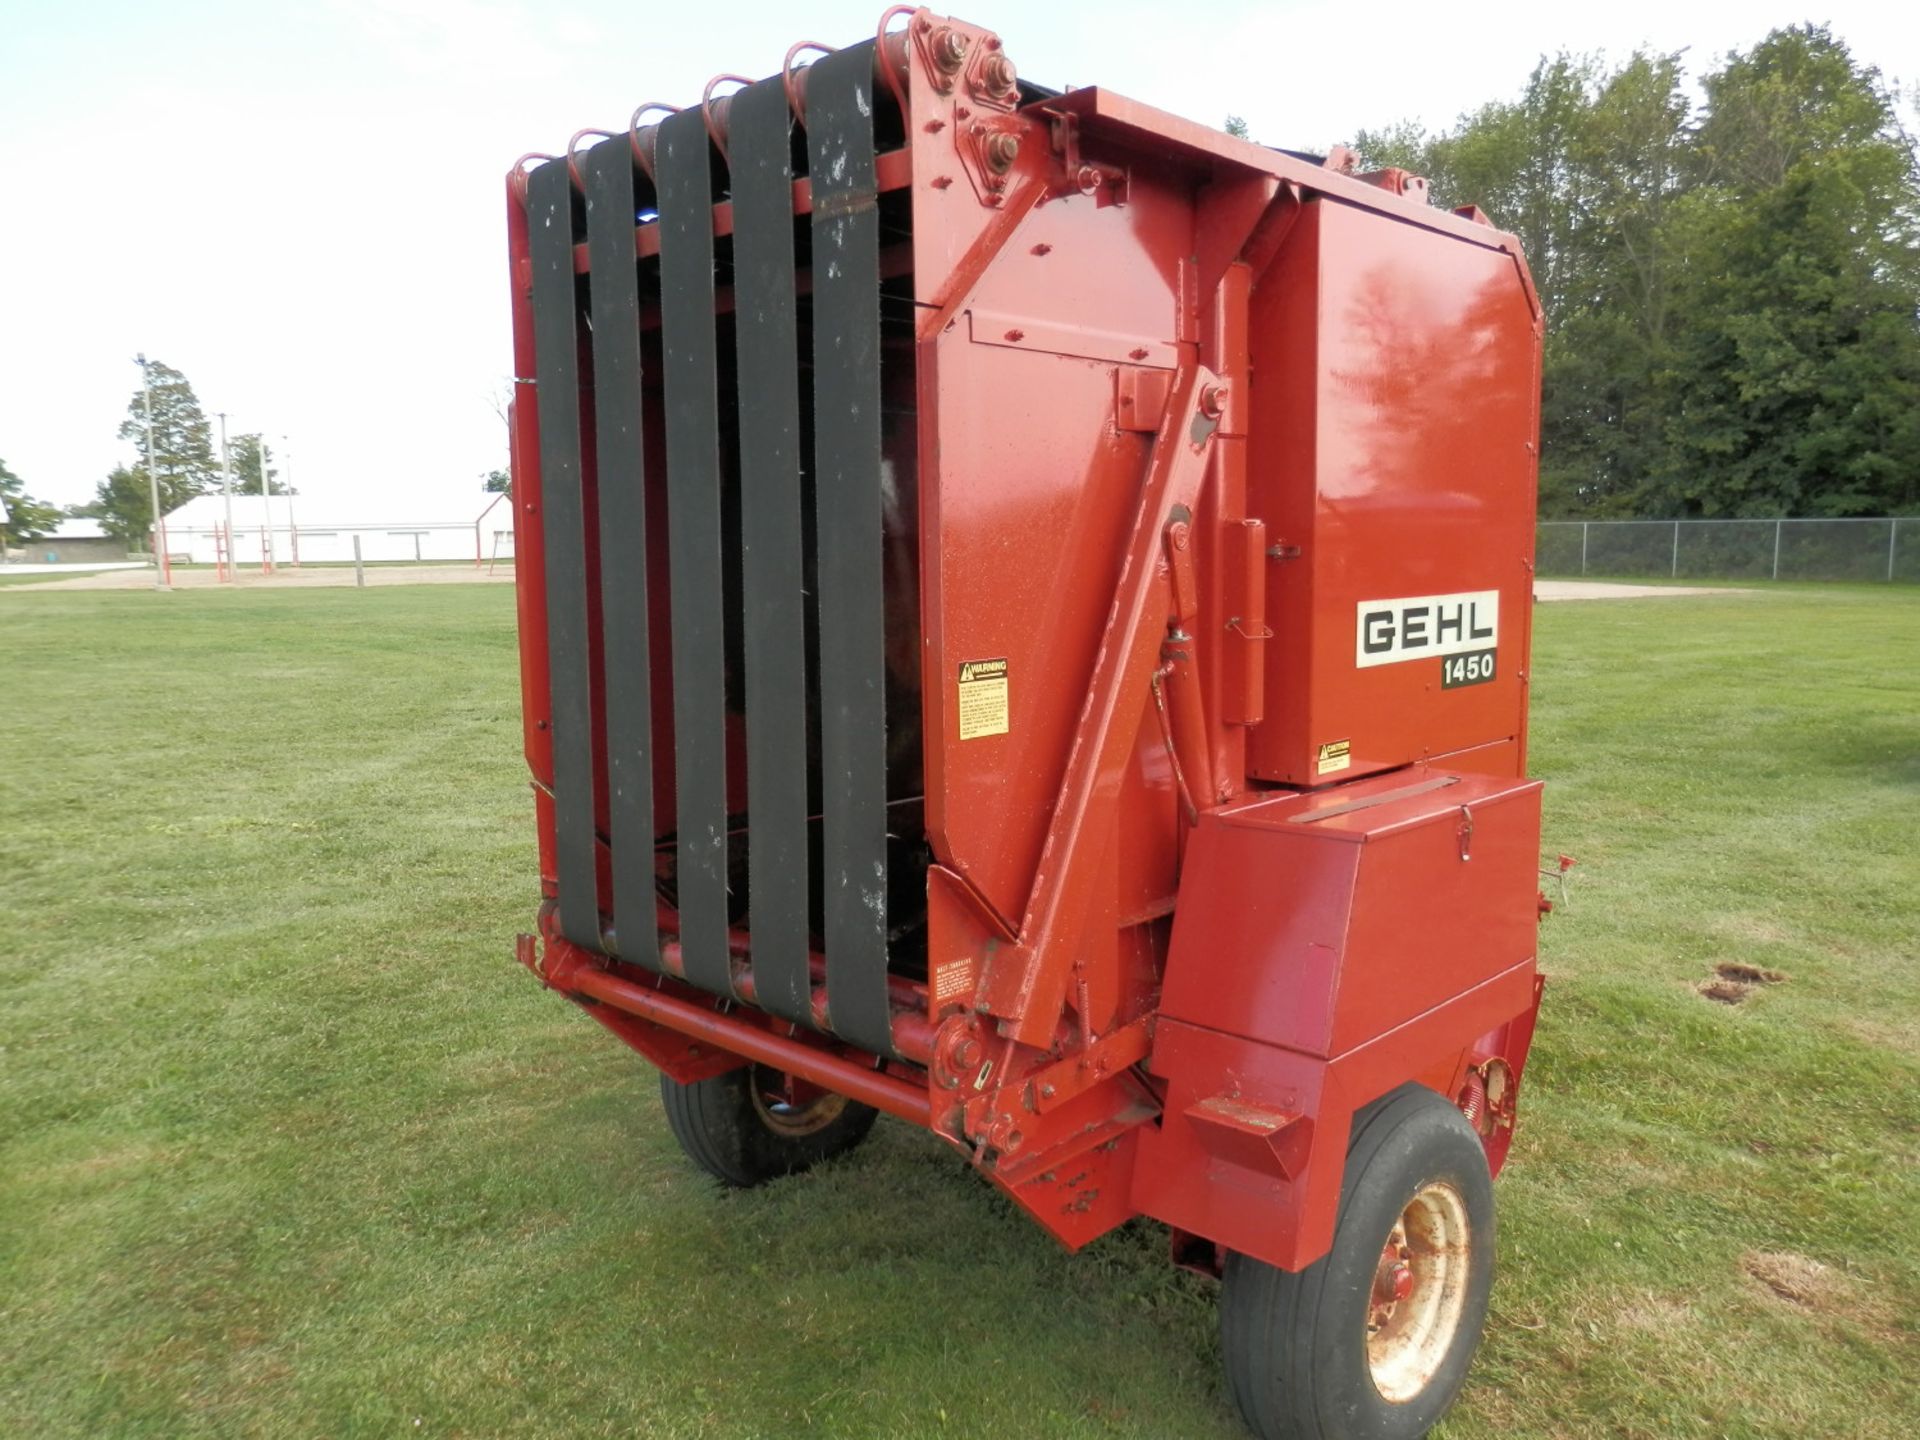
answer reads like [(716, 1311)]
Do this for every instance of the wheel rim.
[(1419, 1292), (782, 1116)]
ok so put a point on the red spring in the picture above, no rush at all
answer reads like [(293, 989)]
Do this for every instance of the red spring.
[(1473, 1098)]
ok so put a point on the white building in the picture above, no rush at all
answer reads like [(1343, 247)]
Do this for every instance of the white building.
[(314, 536)]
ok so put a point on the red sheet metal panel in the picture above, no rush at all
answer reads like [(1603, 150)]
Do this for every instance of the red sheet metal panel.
[(1395, 368), (1401, 891)]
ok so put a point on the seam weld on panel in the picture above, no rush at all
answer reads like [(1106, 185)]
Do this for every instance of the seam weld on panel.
[(846, 367), (620, 474), (689, 364), (773, 582), (557, 364)]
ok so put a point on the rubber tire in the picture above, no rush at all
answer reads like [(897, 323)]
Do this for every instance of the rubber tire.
[(721, 1129), (1294, 1344)]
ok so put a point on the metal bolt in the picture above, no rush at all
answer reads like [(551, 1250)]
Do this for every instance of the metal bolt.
[(999, 75), (1002, 150), (1213, 400), (966, 1054), (1016, 336), (949, 48)]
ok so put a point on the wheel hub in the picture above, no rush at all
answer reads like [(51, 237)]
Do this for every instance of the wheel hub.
[(1419, 1292), (785, 1110)]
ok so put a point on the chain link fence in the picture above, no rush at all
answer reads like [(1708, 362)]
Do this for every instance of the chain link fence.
[(1884, 550)]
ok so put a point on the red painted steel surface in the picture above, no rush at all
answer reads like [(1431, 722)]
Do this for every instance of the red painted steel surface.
[(1397, 367), (1174, 410)]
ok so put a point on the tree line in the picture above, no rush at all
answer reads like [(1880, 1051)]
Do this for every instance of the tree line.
[(185, 458), (1732, 288)]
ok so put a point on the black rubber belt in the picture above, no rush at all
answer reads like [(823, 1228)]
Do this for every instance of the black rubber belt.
[(557, 366), (773, 582), (846, 404), (620, 470), (683, 174)]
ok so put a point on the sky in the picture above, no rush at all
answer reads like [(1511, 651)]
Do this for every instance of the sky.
[(300, 204)]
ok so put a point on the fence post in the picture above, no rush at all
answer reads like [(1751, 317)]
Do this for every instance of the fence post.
[(1893, 537), (1583, 547), (359, 572), (1676, 550), (1776, 549)]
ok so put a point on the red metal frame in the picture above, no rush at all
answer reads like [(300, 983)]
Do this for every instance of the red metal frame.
[(1208, 893)]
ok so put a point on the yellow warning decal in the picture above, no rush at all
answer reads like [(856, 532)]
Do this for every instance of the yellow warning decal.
[(1334, 755), (983, 698)]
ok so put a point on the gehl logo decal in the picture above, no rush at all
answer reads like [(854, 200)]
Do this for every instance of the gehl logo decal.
[(1389, 631)]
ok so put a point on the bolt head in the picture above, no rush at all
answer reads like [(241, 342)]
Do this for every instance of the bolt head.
[(949, 48)]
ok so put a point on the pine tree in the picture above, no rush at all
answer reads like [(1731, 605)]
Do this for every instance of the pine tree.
[(182, 455), (243, 455)]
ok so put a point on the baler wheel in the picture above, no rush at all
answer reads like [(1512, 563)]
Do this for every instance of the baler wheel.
[(1374, 1338), (747, 1127)]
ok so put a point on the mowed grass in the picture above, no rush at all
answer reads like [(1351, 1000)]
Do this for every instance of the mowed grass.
[(289, 1147)]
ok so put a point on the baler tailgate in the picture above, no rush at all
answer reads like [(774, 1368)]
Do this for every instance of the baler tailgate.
[(721, 319)]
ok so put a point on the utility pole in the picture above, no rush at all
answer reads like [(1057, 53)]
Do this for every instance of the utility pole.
[(226, 492), (266, 511), (293, 528), (162, 572)]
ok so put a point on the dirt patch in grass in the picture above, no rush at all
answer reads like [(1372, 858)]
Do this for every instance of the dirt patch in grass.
[(1792, 1277), (1818, 1289), (1747, 974), (1734, 980)]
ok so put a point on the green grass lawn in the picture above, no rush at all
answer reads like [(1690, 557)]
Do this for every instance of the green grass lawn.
[(290, 1147)]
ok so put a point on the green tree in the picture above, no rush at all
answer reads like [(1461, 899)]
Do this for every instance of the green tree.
[(243, 456), (26, 517), (182, 455), (122, 505), (1731, 303), (1798, 353), (1237, 127), (496, 482)]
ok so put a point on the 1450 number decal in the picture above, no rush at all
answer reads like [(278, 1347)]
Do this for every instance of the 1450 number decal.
[(1475, 668)]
